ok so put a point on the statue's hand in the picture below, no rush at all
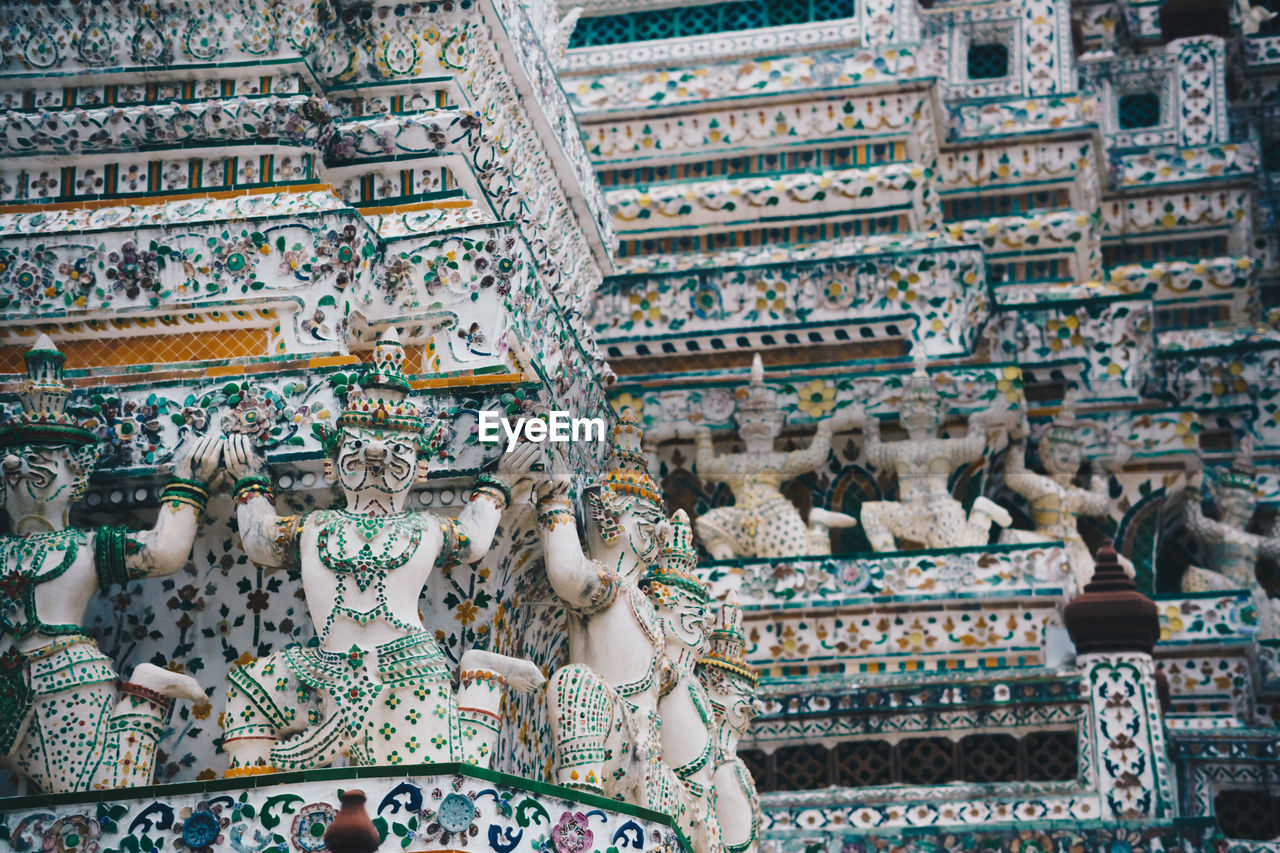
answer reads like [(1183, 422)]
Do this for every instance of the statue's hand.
[(662, 532), (241, 459), (1114, 462), (205, 459), (854, 416), (199, 461), (519, 464), (557, 483), (1022, 429)]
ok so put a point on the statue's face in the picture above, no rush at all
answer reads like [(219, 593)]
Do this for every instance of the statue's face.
[(735, 698), (631, 525), (920, 416), (685, 619), (376, 468), (1059, 457), (1236, 504), (756, 429), (40, 482)]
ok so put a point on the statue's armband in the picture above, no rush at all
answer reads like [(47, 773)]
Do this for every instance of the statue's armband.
[(453, 543), (288, 541), (606, 592), (112, 548)]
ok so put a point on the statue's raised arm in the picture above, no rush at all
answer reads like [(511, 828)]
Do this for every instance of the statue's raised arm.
[(55, 679)]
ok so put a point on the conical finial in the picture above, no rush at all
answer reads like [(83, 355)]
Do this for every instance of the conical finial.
[(728, 645), (1065, 428), (629, 473), (919, 363), (381, 401), (1111, 615), (679, 553), (388, 365), (757, 399), (44, 394)]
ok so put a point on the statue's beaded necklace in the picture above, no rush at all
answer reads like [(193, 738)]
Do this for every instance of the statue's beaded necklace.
[(369, 567), (22, 569)]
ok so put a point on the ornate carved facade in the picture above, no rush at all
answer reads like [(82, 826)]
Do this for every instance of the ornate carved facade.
[(893, 312)]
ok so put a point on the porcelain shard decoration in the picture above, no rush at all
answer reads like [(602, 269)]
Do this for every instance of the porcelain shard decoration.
[(67, 720), (376, 686), (762, 522), (1231, 551), (1056, 502), (730, 684), (925, 514), (603, 705), (689, 736)]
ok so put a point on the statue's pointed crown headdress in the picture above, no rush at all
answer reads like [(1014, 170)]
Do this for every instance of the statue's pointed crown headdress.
[(44, 419), (919, 387), (756, 398), (381, 400), (1242, 474), (628, 477), (677, 561), (1065, 429), (728, 644)]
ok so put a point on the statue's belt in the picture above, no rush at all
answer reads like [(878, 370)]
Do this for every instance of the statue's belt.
[(344, 680), (64, 664)]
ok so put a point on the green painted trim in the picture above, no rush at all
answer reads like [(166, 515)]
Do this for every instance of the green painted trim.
[(1242, 594), (775, 173), (288, 218), (145, 72), (483, 774), (407, 84), (1051, 304), (900, 366), (411, 199), (1223, 349), (938, 249), (126, 198), (259, 142), (886, 83), (849, 214)]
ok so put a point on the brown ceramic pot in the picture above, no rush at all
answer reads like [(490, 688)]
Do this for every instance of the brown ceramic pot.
[(351, 831)]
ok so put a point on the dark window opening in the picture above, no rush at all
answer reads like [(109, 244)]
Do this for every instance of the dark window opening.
[(1139, 109), (1247, 814), (705, 19), (977, 758), (988, 61)]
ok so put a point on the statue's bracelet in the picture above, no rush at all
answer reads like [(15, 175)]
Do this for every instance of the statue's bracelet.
[(494, 486), (551, 514), (248, 487), (180, 490)]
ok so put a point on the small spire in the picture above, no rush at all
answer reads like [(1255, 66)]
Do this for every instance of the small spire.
[(1111, 615), (919, 363), (757, 370)]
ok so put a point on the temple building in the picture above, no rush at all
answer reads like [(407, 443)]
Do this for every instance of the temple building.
[(922, 366)]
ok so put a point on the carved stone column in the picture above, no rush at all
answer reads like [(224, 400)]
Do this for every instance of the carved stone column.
[(1115, 627)]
